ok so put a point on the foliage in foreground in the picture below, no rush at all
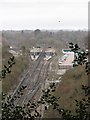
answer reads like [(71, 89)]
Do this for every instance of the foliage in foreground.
[(30, 110)]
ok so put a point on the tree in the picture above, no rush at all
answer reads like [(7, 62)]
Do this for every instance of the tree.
[(29, 111), (37, 31)]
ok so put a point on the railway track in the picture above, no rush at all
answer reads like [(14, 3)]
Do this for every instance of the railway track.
[(38, 79), (28, 75), (33, 81), (32, 84)]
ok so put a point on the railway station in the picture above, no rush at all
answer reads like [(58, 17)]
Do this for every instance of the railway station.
[(35, 52), (49, 53)]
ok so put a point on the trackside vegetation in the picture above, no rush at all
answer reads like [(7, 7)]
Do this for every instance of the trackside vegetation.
[(48, 98)]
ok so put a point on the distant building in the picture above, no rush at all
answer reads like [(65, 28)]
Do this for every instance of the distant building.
[(35, 52), (66, 50), (66, 61), (49, 53), (15, 51)]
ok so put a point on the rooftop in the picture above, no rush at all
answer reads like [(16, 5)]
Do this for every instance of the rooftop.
[(69, 59), (36, 49), (50, 50)]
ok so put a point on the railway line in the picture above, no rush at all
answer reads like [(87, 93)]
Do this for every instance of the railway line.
[(33, 81), (38, 80), (32, 84), (42, 78)]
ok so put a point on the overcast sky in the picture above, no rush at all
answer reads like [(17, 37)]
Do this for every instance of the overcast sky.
[(43, 14)]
